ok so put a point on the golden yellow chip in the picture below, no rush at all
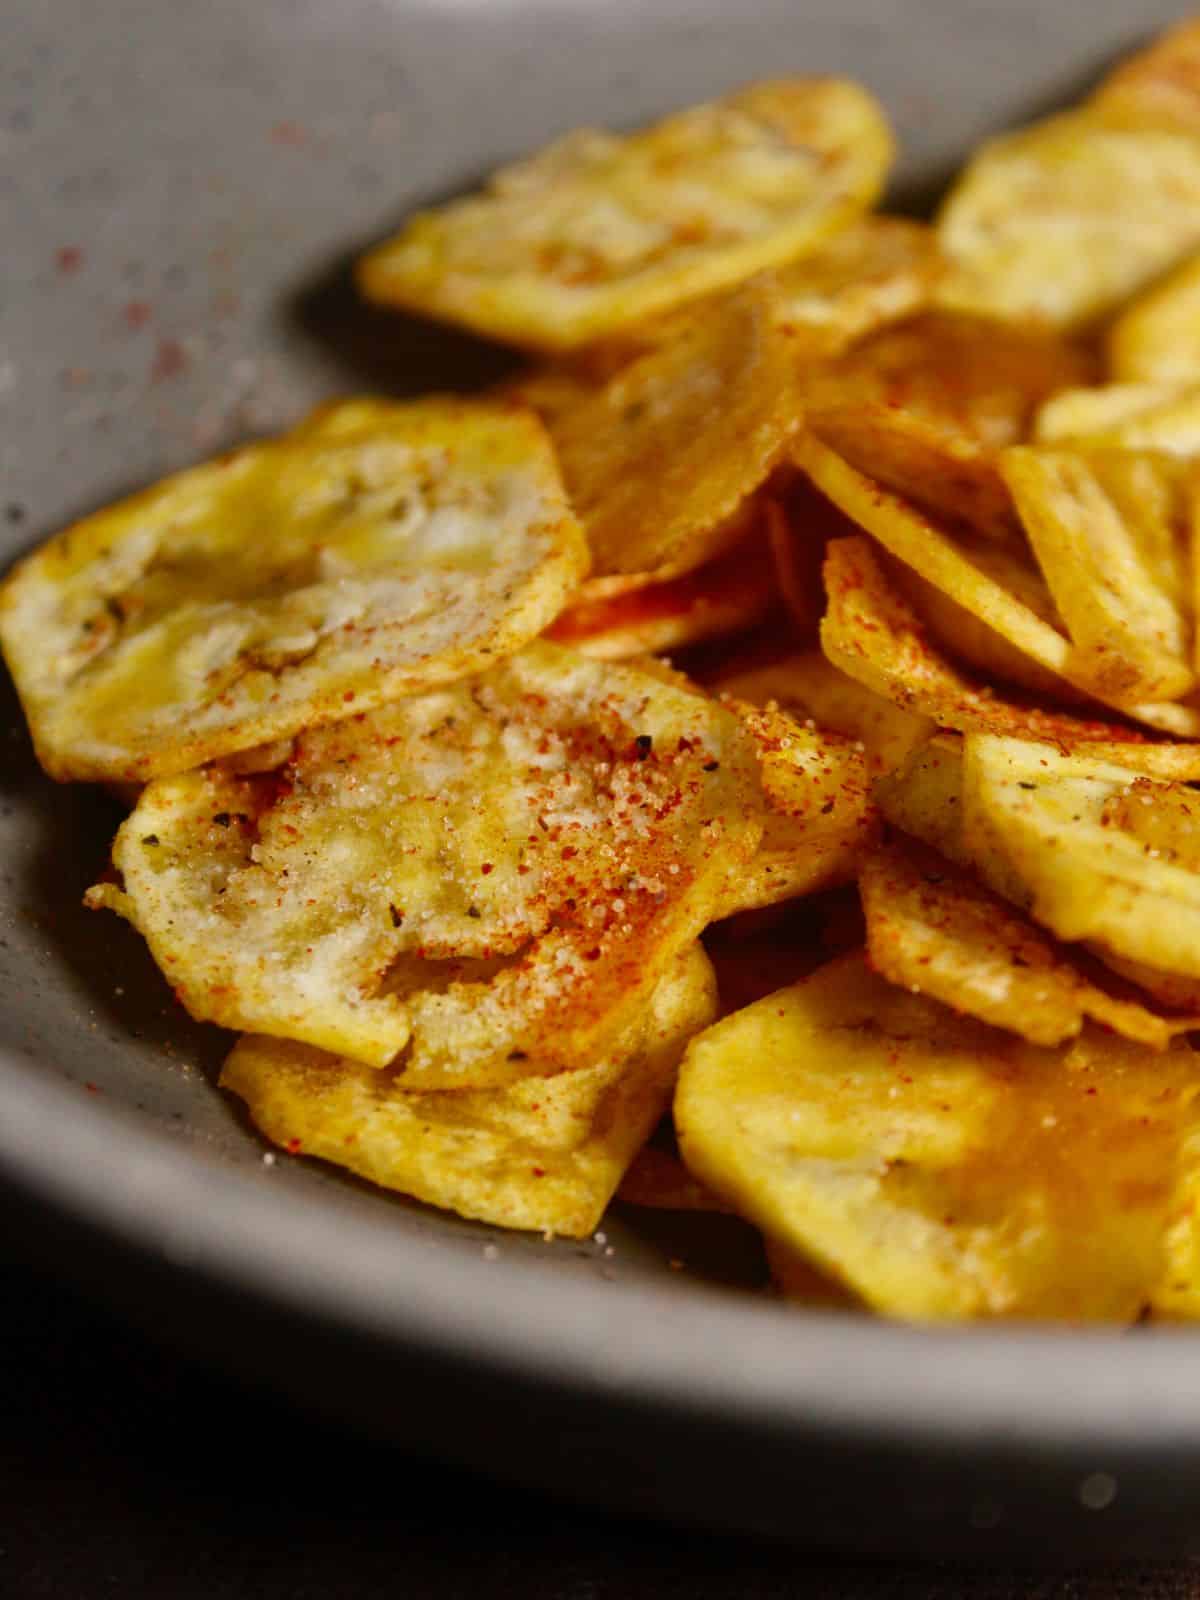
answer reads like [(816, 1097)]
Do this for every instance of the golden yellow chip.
[(371, 555), (1113, 555), (1158, 86), (1065, 220), (1103, 854), (925, 407), (1125, 416), (1157, 338), (818, 693), (659, 459), (818, 813), (941, 1168), (975, 576), (923, 797), (494, 873), (872, 634), (876, 271), (935, 930), (723, 596), (598, 232), (545, 1154)]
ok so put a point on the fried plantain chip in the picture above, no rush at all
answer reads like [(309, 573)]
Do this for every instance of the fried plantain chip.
[(659, 459), (818, 814), (1104, 854), (934, 930), (816, 692), (371, 555), (1114, 557), (1157, 338), (598, 232), (1064, 220), (1125, 416), (873, 635), (1158, 86), (941, 1168), (925, 407), (723, 596), (545, 1154), (499, 869), (976, 577), (873, 272)]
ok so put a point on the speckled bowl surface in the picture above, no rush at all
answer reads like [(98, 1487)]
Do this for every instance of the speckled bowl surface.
[(183, 186)]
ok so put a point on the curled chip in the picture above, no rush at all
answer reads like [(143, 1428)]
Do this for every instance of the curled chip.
[(723, 596), (818, 814), (493, 874), (371, 554), (598, 232), (975, 578), (1157, 338), (925, 407), (810, 687), (934, 930), (872, 634), (546, 1153), (1112, 547), (1066, 219), (659, 459), (1158, 86), (1103, 853), (876, 271), (1125, 416), (944, 1169)]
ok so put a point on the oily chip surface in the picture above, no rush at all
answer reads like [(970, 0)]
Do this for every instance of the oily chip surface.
[(546, 1153), (490, 876), (943, 1169), (659, 459), (379, 550), (818, 816), (925, 407), (1157, 338), (1064, 220), (598, 232), (1103, 853), (932, 929), (873, 272)]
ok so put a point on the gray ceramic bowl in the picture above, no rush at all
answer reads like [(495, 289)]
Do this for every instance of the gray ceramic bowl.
[(183, 186)]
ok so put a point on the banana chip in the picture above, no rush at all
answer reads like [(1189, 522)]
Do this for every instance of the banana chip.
[(598, 232), (659, 459), (876, 271), (818, 693), (726, 595), (1159, 86), (1125, 416), (492, 875), (944, 1169), (1115, 559), (374, 554), (1157, 338), (818, 814), (976, 577), (870, 633), (659, 1181), (934, 930), (1104, 854), (545, 1154), (925, 407), (1066, 219)]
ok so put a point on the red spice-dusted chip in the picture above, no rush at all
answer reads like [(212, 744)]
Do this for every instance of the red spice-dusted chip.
[(491, 877)]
